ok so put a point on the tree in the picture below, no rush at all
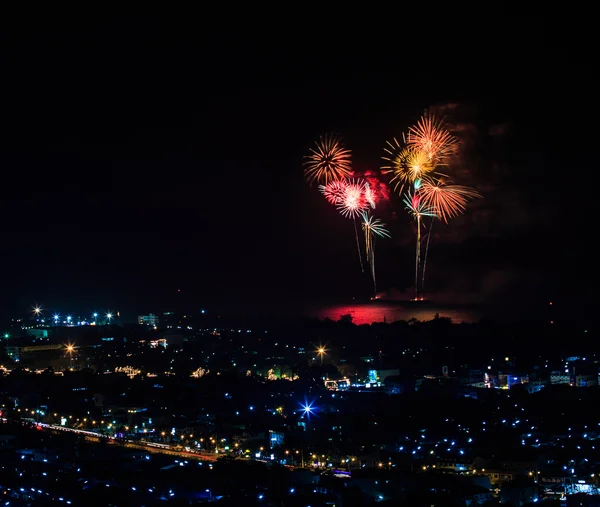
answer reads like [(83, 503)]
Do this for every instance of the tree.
[(346, 318)]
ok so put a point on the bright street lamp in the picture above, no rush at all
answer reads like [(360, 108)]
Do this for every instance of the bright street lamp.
[(70, 349), (321, 351)]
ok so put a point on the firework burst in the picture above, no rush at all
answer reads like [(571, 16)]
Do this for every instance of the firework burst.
[(354, 200), (406, 164), (448, 201), (431, 137), (334, 191), (328, 161)]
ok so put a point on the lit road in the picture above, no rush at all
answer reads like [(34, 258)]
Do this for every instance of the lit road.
[(91, 436)]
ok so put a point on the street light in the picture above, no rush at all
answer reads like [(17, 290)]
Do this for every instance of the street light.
[(109, 316), (70, 349), (321, 351)]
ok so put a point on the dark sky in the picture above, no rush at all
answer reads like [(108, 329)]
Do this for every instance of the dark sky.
[(142, 155)]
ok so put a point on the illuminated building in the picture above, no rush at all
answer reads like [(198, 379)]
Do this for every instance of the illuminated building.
[(338, 384), (148, 320)]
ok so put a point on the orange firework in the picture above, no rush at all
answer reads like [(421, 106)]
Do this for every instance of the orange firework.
[(430, 136), (328, 161), (448, 201)]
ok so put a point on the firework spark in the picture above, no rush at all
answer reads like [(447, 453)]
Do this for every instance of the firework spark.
[(370, 195), (372, 227), (334, 191), (407, 164), (378, 188), (431, 137), (448, 201), (328, 161), (354, 200)]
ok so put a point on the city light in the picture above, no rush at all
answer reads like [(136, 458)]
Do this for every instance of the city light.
[(307, 408), (321, 351)]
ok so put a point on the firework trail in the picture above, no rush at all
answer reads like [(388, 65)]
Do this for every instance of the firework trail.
[(418, 210), (372, 227), (328, 161)]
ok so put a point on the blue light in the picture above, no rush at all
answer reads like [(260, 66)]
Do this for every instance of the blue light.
[(307, 408)]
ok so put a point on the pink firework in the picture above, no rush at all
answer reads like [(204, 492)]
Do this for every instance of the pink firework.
[(334, 191), (354, 200)]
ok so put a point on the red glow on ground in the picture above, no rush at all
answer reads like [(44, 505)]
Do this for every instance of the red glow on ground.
[(380, 312)]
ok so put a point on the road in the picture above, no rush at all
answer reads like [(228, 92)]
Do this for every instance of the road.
[(91, 436)]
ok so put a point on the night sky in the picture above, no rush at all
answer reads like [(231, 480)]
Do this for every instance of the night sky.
[(142, 156)]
